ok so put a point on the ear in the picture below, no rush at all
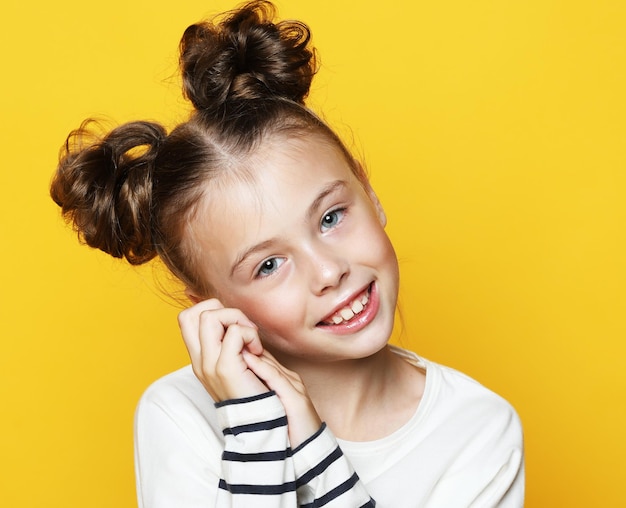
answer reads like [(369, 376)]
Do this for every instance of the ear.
[(193, 297), (362, 176), (382, 216)]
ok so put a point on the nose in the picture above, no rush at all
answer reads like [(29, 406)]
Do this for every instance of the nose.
[(328, 269)]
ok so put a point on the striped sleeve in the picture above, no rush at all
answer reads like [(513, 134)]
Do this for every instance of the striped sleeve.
[(259, 468), (257, 464), (325, 477)]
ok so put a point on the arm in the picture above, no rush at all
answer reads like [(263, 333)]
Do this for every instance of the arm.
[(188, 455), (257, 467), (325, 476), (260, 469), (177, 449), (186, 444), (488, 467), (176, 466), (182, 461)]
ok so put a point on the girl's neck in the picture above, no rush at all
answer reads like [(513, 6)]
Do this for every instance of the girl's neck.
[(364, 399)]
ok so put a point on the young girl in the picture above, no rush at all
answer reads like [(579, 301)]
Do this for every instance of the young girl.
[(293, 396)]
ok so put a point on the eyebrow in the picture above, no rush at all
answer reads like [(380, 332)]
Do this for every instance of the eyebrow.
[(325, 192), (329, 189)]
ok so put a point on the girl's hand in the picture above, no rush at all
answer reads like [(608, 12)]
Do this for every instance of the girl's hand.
[(217, 339), (303, 420)]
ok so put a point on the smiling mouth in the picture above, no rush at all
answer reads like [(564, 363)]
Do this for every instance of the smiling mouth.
[(349, 311)]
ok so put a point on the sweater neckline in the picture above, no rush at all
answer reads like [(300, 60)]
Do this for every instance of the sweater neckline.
[(355, 448)]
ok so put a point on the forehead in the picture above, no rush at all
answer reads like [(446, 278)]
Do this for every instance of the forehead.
[(267, 194), (282, 171)]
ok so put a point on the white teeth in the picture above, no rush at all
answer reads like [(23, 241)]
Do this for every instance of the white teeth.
[(346, 314), (357, 307)]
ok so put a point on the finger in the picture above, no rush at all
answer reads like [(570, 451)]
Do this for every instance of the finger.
[(232, 378), (227, 316), (293, 376), (195, 310), (262, 368), (301, 414), (214, 324), (221, 341), (207, 320), (274, 375), (237, 339), (188, 321)]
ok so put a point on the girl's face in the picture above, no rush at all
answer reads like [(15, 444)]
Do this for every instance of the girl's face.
[(298, 244)]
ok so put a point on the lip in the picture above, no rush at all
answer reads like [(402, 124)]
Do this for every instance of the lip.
[(361, 320)]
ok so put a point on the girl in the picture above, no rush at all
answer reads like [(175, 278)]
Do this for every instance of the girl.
[(293, 396)]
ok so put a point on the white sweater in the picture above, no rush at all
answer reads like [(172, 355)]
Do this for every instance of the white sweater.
[(463, 447)]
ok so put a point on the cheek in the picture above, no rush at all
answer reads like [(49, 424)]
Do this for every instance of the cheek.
[(383, 257), (388, 253), (374, 245), (277, 313)]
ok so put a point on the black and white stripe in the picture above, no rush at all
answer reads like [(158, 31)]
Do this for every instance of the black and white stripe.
[(260, 469)]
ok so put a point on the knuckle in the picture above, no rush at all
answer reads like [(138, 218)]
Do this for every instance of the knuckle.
[(235, 328), (206, 318), (183, 316), (214, 303), (198, 371), (206, 371), (221, 371), (241, 316)]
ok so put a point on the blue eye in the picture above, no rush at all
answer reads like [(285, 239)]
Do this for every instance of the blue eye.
[(331, 219), (269, 266)]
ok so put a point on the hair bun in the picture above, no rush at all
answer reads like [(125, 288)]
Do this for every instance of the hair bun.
[(104, 187), (245, 56)]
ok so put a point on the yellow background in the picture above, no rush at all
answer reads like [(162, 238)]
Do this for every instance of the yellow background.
[(495, 134)]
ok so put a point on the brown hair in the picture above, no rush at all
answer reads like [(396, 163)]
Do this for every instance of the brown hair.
[(132, 192)]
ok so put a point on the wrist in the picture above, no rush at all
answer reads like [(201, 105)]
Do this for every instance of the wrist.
[(245, 411)]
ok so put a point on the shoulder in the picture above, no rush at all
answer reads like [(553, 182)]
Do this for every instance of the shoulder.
[(178, 442), (464, 394), (486, 434), (453, 400), (178, 397), (476, 435), (175, 387)]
